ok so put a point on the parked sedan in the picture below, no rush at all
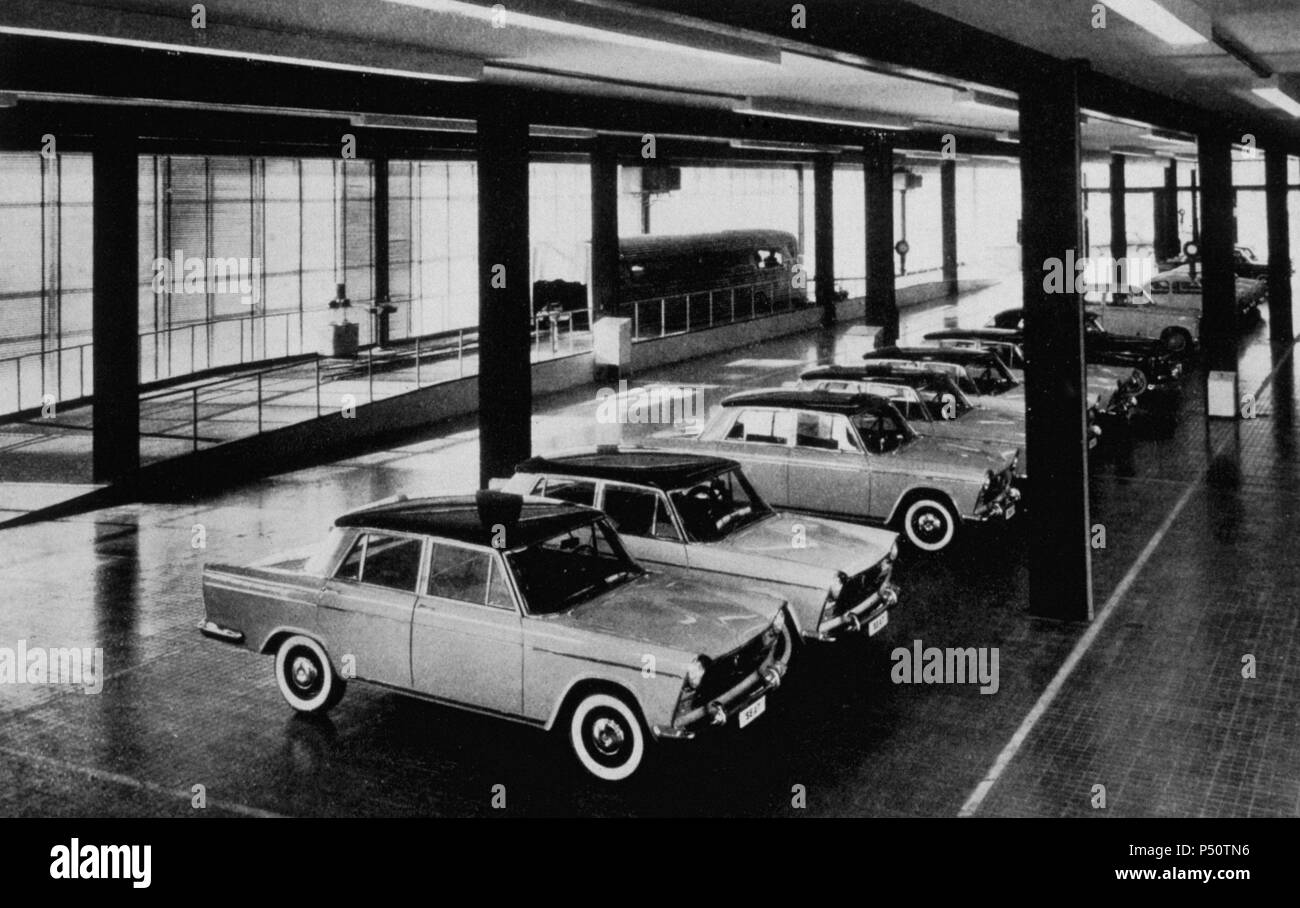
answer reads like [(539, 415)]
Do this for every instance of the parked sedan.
[(1159, 369), (700, 514), (524, 609), (985, 378), (928, 398), (855, 456), (1111, 389)]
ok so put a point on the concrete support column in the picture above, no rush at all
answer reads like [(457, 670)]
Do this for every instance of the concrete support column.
[(878, 172), (1060, 575), (604, 229), (1280, 326), (380, 227), (115, 306), (824, 235), (948, 222), (504, 373), (1118, 210), (1166, 215), (1218, 278)]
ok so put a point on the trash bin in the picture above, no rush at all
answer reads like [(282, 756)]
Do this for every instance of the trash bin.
[(612, 345), (858, 341)]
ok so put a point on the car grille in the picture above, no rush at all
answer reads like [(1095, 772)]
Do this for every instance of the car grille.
[(725, 672), (858, 588), (997, 485)]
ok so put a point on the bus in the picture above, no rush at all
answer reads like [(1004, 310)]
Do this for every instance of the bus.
[(671, 284)]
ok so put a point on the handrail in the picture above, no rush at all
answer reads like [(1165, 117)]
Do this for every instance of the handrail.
[(203, 386)]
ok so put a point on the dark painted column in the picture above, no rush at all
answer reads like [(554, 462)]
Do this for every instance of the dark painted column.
[(1166, 243), (1060, 575), (878, 172), (604, 229), (1279, 246), (1118, 210), (114, 307), (504, 374), (380, 227), (948, 222), (1218, 281), (824, 235)]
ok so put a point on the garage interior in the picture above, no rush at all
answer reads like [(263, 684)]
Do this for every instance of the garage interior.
[(425, 200)]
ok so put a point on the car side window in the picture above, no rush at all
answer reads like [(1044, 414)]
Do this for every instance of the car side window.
[(632, 511), (380, 560), (761, 426), (459, 574), (499, 588), (578, 491)]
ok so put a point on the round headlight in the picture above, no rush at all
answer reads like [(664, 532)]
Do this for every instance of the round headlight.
[(893, 551), (837, 585), (695, 673)]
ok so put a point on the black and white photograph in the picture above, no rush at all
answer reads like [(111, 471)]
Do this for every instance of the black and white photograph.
[(595, 409)]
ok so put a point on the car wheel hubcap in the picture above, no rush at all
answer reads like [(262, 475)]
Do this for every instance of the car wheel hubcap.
[(928, 525), (607, 737), (304, 672)]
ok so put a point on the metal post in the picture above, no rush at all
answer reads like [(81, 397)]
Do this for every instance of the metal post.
[(417, 361), (663, 324), (20, 382), (317, 387), (370, 372), (636, 319), (195, 412), (688, 312), (259, 403)]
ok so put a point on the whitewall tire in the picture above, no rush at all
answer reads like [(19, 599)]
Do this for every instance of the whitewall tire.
[(305, 676), (929, 524), (607, 737)]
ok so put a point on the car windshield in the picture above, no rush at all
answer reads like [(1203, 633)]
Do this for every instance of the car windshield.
[(570, 568), (943, 399), (883, 428), (990, 375), (712, 509)]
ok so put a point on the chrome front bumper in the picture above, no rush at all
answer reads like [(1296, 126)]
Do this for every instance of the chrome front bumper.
[(857, 618), (1001, 509), (719, 710)]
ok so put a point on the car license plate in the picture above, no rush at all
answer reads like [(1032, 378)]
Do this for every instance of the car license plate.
[(877, 623), (752, 711), (1010, 511)]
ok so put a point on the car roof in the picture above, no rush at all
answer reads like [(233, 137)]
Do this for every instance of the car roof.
[(941, 354), (473, 519), (1004, 335), (659, 469), (820, 401), (918, 373)]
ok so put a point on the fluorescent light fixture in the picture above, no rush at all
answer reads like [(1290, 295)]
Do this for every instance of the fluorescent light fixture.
[(446, 69), (792, 147), (610, 30), (1167, 135), (561, 132), (1133, 151), (1283, 92), (401, 121), (816, 113), (1177, 22), (970, 97)]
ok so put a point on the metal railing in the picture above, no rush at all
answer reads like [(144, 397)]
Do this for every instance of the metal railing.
[(199, 346), (65, 374), (681, 313)]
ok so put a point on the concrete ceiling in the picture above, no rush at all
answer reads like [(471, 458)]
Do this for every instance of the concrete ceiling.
[(1203, 74), (619, 50)]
